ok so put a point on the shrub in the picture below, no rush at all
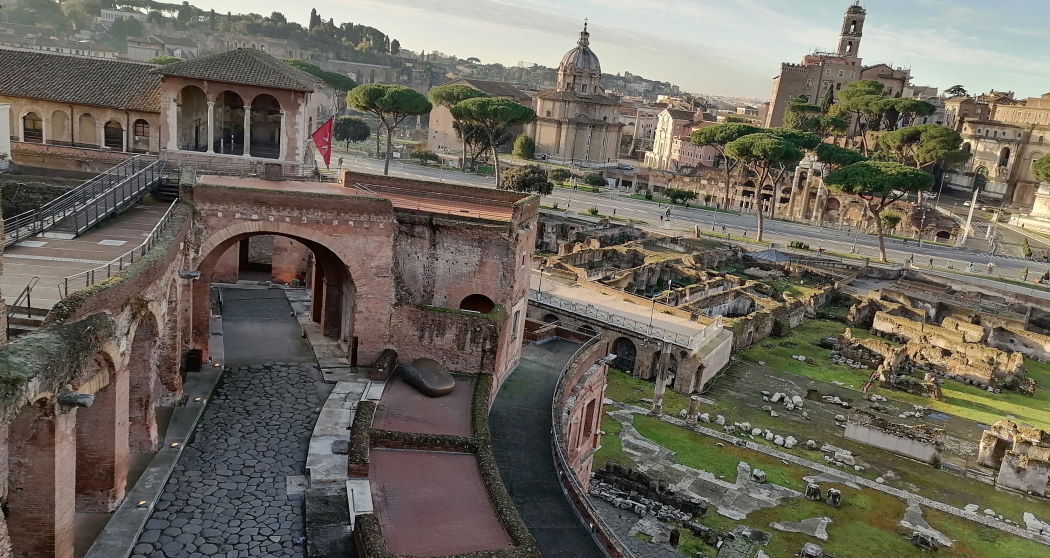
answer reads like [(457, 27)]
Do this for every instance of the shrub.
[(679, 196), (524, 147), (424, 156), (559, 175), (595, 179), (1025, 248), (648, 195), (593, 210), (527, 178)]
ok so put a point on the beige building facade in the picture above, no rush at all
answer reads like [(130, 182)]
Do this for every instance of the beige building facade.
[(441, 135), (576, 122), (1006, 136)]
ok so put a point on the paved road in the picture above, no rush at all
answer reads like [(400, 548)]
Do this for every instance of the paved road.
[(228, 494), (520, 420), (781, 232)]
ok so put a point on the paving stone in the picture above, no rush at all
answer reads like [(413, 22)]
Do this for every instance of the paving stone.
[(230, 487)]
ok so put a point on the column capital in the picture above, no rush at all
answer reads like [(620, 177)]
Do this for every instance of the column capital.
[(247, 108), (211, 104)]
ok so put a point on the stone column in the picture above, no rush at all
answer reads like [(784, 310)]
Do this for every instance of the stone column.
[(41, 493), (661, 380), (247, 131), (694, 409), (45, 123), (282, 138), (173, 125), (211, 127)]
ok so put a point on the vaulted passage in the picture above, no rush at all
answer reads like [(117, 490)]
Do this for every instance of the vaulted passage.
[(228, 494), (282, 259)]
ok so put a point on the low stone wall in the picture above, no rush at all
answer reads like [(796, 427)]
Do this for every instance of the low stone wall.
[(1031, 344), (60, 157), (463, 341), (921, 442)]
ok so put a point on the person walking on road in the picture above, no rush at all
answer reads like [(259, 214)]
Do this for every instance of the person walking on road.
[(931, 263)]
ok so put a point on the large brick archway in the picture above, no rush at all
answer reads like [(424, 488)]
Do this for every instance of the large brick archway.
[(344, 290)]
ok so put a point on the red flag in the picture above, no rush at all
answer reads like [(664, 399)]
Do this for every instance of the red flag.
[(323, 140)]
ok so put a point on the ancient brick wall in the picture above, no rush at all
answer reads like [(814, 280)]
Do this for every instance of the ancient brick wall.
[(461, 341)]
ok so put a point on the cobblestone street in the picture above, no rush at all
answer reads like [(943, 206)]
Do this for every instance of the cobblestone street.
[(228, 496)]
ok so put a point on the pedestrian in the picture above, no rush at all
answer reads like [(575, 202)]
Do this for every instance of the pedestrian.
[(614, 211), (723, 228), (970, 267), (931, 263)]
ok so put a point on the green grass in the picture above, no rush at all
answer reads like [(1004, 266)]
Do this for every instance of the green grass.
[(611, 450), (690, 205), (612, 218), (957, 398), (777, 352), (580, 187), (734, 238), (701, 452), (977, 541), (867, 523), (790, 286), (552, 208), (625, 388)]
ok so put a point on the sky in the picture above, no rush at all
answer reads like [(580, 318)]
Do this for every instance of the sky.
[(716, 47)]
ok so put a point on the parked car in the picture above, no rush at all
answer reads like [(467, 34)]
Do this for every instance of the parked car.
[(625, 167)]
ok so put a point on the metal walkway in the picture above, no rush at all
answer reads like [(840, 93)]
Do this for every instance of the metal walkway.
[(83, 207)]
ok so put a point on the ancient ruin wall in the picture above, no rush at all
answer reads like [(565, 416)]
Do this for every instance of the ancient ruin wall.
[(922, 442)]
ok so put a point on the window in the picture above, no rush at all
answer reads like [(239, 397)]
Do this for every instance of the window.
[(584, 88), (1040, 139), (841, 73), (827, 72), (33, 128)]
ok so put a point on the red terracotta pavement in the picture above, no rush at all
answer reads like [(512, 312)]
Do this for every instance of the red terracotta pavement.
[(404, 409), (433, 503)]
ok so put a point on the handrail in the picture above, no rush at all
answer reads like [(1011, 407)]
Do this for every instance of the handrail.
[(561, 462), (37, 220), (26, 294), (691, 342), (91, 276)]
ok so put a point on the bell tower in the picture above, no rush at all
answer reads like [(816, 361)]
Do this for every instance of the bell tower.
[(852, 30)]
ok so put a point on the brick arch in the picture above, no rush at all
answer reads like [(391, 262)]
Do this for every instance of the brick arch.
[(142, 384), (102, 437), (340, 281)]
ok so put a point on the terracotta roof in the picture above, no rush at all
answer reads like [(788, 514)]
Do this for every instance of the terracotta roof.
[(496, 88), (244, 66), (679, 114), (556, 95), (80, 81)]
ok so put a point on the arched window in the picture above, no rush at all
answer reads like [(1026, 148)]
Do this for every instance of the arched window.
[(849, 47), (477, 303), (140, 138), (87, 131), (1004, 157), (32, 128), (853, 26), (113, 135)]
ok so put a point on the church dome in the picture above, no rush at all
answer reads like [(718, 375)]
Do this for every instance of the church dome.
[(581, 58), (580, 70)]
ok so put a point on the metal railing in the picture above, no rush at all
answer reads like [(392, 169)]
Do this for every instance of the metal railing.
[(93, 200), (439, 202), (90, 277), (591, 311), (26, 295), (589, 516)]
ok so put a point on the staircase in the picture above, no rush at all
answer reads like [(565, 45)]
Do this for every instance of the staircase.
[(83, 207), (22, 320), (21, 316), (167, 188)]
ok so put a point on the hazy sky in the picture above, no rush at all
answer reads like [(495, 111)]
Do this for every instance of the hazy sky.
[(727, 47)]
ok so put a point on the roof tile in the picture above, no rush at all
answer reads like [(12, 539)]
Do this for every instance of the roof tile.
[(83, 81), (244, 66)]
